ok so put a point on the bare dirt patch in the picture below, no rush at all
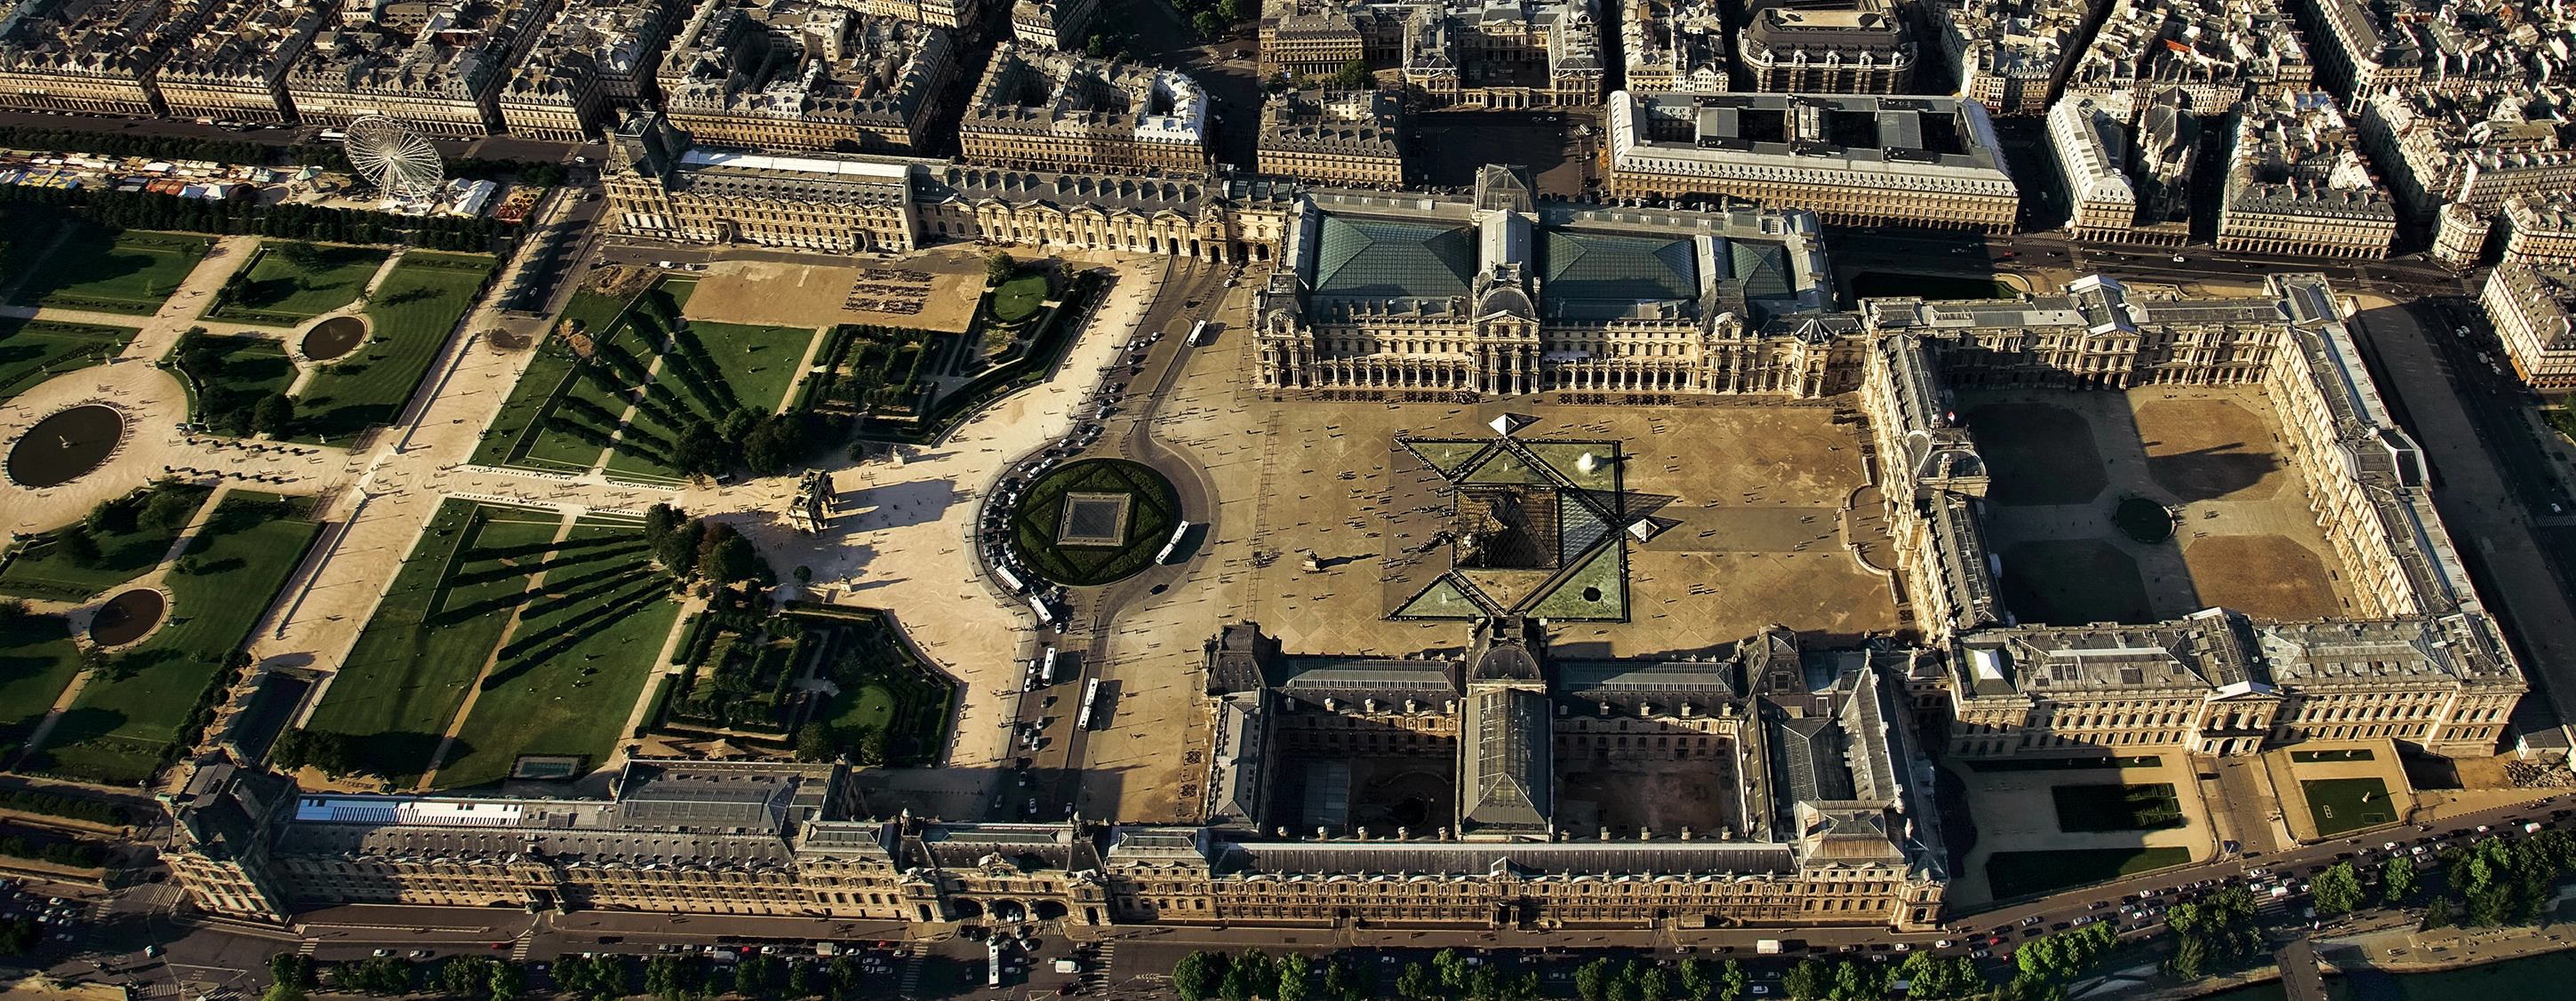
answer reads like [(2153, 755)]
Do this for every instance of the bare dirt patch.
[(2039, 454), (2262, 575), (2209, 450), (2071, 582), (806, 295), (1662, 797)]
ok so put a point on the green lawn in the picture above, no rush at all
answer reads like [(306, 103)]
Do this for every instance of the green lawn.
[(2019, 874), (2111, 807), (229, 376), (2339, 805), (583, 653), (41, 571), (883, 687), (517, 423), (1152, 508), (282, 292), (32, 351), (100, 271), (1018, 299), (411, 314), (402, 682), (117, 730), (759, 362), (37, 661)]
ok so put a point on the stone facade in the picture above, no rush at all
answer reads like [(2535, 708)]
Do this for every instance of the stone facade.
[(1058, 111), (1860, 161), (1852, 47), (2006, 51), (96, 57), (2214, 52), (805, 75), (2531, 306), (2540, 229), (2475, 147), (1676, 45), (597, 57), (1505, 55), (443, 77), (2298, 186), (1336, 137), (234, 68), (1052, 24)]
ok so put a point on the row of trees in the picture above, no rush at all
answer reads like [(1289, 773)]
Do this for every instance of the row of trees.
[(690, 976), (714, 432), (695, 547), (32, 137), (148, 210), (2212, 934)]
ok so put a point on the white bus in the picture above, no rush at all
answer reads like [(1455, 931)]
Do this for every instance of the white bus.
[(1009, 579), (1090, 699), (1173, 543), (1046, 668), (1037, 603), (1198, 333)]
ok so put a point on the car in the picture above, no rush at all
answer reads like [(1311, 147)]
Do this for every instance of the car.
[(1905, 947), (1761, 989), (384, 952), (151, 950), (1981, 954), (421, 954), (1942, 944), (2031, 920), (2097, 905), (2178, 258)]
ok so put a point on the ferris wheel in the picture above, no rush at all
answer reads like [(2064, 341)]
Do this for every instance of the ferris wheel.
[(394, 157)]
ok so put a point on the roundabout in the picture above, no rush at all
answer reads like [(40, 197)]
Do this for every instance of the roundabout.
[(334, 337), (1094, 521), (66, 446)]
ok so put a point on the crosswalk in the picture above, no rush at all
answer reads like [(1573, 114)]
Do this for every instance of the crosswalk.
[(912, 962), (1095, 970), (519, 950)]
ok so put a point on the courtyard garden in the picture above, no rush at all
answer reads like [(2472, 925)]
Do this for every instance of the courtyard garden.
[(289, 282), (2339, 805), (32, 351), (883, 705), (1119, 516), (101, 270), (2011, 875), (2108, 807), (150, 702)]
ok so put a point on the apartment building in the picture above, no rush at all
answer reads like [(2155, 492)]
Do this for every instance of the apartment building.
[(2214, 52), (1343, 138), (2540, 229), (2126, 183), (2006, 51), (1855, 160), (1843, 47), (2444, 46), (949, 14), (805, 75), (97, 57), (1052, 24), (1676, 45), (1507, 55), (2531, 305), (1059, 111), (234, 69), (442, 76), (2297, 185), (597, 56), (2477, 147)]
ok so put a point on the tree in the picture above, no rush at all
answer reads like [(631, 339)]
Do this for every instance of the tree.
[(2437, 914), (169, 509), (465, 976), (675, 976), (1694, 977), (334, 753), (509, 980), (1339, 985), (1856, 982), (999, 266), (1355, 75), (19, 935), (803, 980), (293, 968), (1198, 974), (2337, 890), (1258, 972), (274, 414), (283, 991), (2397, 880), (1806, 981), (814, 743), (1592, 980), (757, 973), (1418, 983), (78, 546), (1232, 10), (1292, 974), (1209, 24), (1655, 986), (1927, 977), (729, 559), (1452, 967), (1731, 981)]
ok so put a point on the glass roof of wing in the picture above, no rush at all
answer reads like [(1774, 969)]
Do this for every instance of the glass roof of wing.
[(1623, 268), (1764, 267), (1370, 258)]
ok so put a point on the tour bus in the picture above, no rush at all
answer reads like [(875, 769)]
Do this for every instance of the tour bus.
[(1174, 543), (1198, 333)]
